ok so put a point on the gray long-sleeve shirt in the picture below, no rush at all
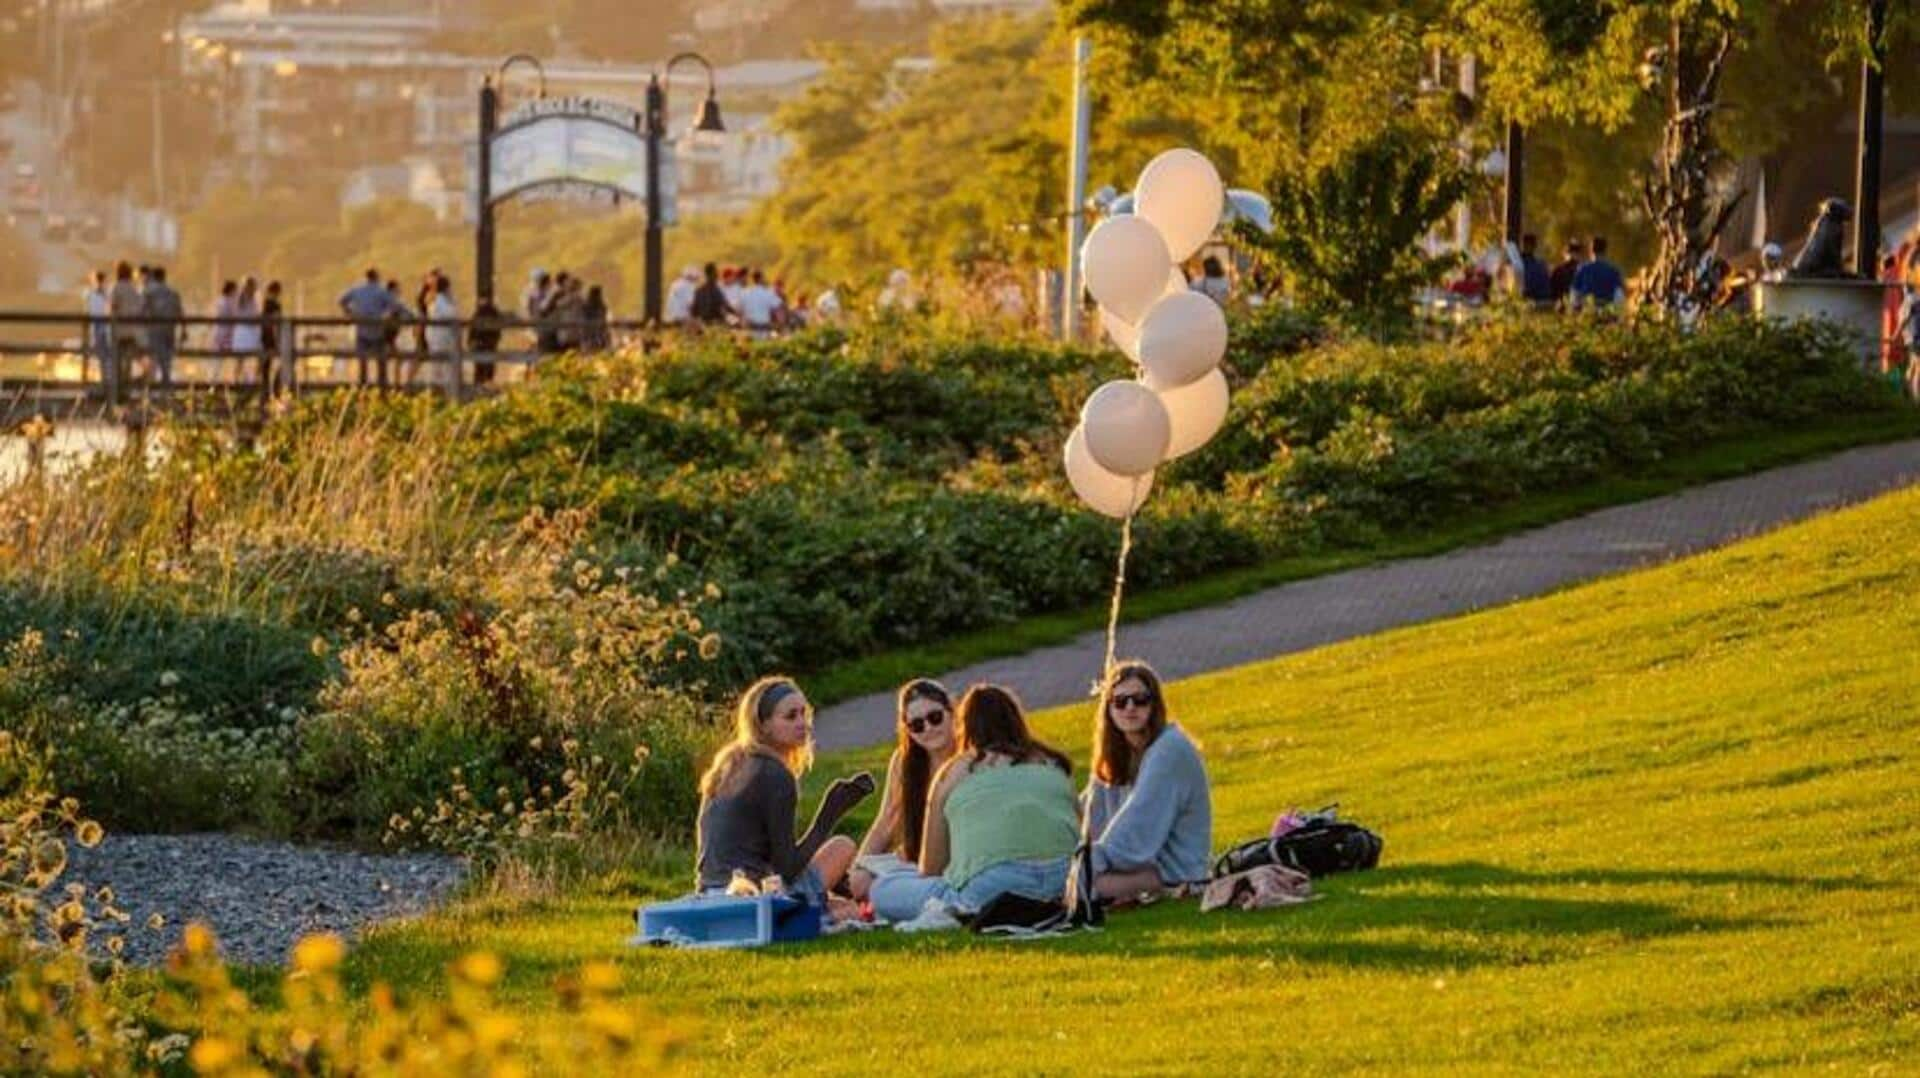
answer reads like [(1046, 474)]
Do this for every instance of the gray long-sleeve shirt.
[(750, 826), (1164, 820)]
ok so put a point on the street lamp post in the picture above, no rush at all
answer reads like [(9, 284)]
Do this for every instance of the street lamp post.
[(490, 92), (708, 121)]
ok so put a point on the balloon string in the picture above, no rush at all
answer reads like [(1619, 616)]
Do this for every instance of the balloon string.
[(1119, 589)]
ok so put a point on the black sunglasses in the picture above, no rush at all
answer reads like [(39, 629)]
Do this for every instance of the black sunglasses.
[(1133, 699), (930, 721)]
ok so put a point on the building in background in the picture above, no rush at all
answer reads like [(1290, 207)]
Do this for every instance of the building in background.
[(363, 99)]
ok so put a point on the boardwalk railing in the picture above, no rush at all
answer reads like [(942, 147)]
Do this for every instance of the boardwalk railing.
[(70, 363)]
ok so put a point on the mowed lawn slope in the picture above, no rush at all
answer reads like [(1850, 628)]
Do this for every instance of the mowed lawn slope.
[(1665, 823)]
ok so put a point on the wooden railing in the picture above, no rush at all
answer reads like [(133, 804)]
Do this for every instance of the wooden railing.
[(61, 359)]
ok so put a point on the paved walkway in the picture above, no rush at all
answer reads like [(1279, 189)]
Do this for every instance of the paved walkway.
[(1323, 610)]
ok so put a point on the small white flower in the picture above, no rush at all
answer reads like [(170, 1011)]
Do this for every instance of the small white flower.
[(169, 678)]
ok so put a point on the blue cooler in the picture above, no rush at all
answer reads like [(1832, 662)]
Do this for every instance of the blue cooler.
[(727, 921)]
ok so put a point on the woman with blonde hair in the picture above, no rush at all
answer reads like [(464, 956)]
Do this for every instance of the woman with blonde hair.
[(1149, 814), (750, 794)]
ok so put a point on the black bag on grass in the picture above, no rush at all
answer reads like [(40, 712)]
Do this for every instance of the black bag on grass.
[(1320, 847), (1084, 908)]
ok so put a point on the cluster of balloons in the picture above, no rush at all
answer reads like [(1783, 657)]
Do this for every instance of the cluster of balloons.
[(1176, 337)]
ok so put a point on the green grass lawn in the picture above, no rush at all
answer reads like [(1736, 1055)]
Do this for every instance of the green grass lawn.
[(1666, 822)]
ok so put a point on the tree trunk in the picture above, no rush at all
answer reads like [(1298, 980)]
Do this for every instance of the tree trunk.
[(1677, 193)]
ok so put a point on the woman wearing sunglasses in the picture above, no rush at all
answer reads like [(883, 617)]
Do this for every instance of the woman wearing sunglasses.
[(1148, 810), (1001, 818), (750, 794), (925, 722)]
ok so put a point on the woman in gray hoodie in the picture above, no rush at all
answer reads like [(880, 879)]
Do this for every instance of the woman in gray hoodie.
[(1148, 810)]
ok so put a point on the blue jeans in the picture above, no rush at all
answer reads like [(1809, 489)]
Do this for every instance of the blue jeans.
[(901, 895), (809, 886)]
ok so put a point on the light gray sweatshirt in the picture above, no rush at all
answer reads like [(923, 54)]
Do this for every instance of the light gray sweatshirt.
[(1163, 820)]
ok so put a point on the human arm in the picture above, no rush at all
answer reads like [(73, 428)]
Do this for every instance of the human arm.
[(1171, 775), (886, 823), (933, 838), (779, 802)]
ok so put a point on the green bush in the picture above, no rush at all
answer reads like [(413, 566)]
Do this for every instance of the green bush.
[(453, 624)]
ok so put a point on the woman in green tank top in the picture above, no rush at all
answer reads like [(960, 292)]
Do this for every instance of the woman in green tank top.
[(1001, 817)]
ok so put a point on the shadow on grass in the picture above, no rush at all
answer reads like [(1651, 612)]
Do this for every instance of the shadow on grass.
[(1411, 918), (1481, 874)]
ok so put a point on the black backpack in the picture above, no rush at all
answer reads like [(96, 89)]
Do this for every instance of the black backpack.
[(1320, 847)]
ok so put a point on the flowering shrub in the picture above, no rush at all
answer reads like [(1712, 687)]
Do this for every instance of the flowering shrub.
[(528, 691), (58, 1014)]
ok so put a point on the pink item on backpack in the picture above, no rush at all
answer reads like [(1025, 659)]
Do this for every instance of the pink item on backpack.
[(1290, 820)]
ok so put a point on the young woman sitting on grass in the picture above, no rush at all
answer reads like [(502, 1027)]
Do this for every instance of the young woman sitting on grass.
[(1001, 817), (749, 796), (1148, 810), (924, 718)]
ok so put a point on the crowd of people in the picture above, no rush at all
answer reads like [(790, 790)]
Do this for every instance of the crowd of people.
[(1583, 278), (974, 806), (136, 315), (742, 298)]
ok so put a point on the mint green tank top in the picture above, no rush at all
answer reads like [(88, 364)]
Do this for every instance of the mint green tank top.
[(1021, 812)]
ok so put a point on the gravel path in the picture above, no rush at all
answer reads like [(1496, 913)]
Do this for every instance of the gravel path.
[(1310, 613), (259, 897)]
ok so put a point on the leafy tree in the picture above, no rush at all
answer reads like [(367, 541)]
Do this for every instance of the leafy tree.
[(952, 165), (1348, 231)]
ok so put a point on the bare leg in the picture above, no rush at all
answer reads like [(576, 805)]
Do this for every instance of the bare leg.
[(832, 859), (1125, 886)]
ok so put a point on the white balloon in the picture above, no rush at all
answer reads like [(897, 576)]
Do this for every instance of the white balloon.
[(1127, 428), (1125, 335), (1181, 193), (1117, 496), (1182, 338), (1195, 411), (1126, 261)]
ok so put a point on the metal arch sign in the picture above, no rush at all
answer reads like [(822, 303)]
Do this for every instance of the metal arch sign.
[(569, 147), (592, 108)]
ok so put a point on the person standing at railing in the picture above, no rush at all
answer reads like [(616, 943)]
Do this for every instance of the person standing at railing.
[(126, 307), (595, 336), (367, 304), (98, 343), (568, 310), (397, 315), (443, 341), (533, 302), (710, 306), (164, 308), (483, 337), (271, 312), (223, 313), (680, 297), (547, 316), (759, 306), (246, 331)]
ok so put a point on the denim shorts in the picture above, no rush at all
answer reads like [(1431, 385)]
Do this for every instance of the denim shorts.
[(808, 886), (902, 895)]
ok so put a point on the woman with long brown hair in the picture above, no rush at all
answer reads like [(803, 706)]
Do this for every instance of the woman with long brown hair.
[(751, 792), (924, 719), (1001, 816), (1149, 814)]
